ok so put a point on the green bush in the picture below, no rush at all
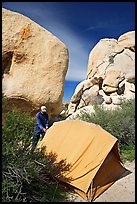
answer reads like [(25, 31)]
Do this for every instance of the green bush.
[(119, 122), (28, 176)]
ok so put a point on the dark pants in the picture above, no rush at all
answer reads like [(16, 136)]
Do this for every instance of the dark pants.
[(36, 135)]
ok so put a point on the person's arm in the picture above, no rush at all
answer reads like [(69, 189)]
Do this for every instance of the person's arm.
[(47, 122), (38, 121)]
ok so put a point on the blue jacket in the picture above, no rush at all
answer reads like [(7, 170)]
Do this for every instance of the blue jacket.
[(42, 120)]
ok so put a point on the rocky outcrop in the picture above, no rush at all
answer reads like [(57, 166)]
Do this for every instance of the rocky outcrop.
[(77, 114), (109, 54), (112, 65), (34, 64)]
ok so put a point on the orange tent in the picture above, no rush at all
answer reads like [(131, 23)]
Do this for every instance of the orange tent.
[(92, 153)]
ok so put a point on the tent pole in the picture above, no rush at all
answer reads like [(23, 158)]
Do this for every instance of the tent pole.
[(91, 185)]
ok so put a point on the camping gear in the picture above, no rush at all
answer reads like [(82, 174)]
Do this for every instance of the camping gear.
[(92, 153)]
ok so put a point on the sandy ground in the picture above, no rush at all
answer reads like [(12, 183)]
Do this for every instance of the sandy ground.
[(122, 190)]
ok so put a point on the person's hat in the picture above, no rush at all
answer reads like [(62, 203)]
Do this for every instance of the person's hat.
[(43, 108)]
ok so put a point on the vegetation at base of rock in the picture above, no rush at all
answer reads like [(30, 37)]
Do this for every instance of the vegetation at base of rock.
[(28, 176), (119, 122)]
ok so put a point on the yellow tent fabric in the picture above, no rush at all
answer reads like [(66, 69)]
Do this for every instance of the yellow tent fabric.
[(92, 152)]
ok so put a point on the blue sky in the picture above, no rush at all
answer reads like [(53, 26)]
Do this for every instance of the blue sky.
[(80, 25)]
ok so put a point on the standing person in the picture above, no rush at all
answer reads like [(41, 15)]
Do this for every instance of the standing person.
[(41, 127)]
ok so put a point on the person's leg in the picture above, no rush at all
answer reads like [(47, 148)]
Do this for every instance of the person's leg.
[(36, 136), (42, 134)]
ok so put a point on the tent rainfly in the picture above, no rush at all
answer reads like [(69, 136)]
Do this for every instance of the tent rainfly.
[(92, 153)]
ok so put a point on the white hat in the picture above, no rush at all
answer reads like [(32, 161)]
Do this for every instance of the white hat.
[(43, 108)]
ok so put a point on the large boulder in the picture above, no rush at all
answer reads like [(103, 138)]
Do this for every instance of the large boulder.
[(34, 64), (127, 40)]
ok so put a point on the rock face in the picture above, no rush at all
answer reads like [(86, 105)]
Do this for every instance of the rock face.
[(112, 64), (109, 54), (34, 64)]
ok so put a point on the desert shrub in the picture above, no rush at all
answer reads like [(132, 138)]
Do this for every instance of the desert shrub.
[(119, 122), (28, 176)]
